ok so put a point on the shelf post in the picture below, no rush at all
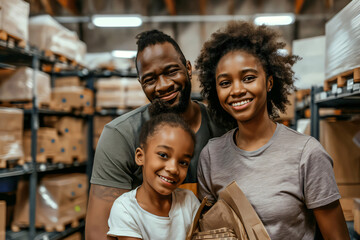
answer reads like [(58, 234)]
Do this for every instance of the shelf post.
[(314, 118), (34, 129)]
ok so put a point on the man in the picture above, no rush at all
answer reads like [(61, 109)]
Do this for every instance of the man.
[(165, 77)]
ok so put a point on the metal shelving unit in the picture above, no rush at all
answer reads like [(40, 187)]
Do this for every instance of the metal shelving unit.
[(320, 99), (10, 58)]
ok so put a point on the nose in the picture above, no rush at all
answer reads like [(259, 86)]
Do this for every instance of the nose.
[(237, 88), (164, 84), (172, 167)]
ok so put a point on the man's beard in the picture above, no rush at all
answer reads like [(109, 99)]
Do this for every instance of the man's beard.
[(158, 106)]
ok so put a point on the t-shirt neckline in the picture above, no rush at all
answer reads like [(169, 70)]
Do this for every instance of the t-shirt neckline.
[(257, 151)]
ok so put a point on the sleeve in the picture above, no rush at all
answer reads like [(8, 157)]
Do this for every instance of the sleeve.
[(113, 160), (121, 223), (203, 174), (316, 171)]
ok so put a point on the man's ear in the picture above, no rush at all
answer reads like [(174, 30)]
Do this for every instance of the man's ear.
[(139, 156), (189, 69)]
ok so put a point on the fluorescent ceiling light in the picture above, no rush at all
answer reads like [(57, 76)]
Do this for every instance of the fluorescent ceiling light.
[(116, 20), (279, 19), (123, 54)]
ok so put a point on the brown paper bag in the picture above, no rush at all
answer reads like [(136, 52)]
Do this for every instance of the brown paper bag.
[(233, 212)]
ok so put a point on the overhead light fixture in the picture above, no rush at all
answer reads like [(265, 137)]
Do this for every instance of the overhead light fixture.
[(117, 20), (123, 54), (277, 19)]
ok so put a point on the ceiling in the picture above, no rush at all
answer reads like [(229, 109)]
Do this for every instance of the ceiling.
[(311, 17)]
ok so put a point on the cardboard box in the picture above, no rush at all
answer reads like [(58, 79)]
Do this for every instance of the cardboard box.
[(338, 140), (290, 109), (18, 86), (357, 215), (2, 220), (349, 190), (14, 18), (47, 142), (71, 148), (71, 97), (11, 131), (60, 200), (100, 122), (347, 205), (67, 81)]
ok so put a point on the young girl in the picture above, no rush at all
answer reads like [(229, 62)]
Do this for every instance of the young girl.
[(287, 176), (158, 209)]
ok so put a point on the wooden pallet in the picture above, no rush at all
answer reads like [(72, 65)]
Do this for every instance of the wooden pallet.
[(61, 226), (74, 110), (11, 163), (23, 104), (341, 79), (12, 40), (43, 158)]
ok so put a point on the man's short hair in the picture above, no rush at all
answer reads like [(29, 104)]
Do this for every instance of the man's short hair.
[(152, 37)]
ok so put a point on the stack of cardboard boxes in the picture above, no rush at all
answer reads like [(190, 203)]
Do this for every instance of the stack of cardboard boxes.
[(11, 131)]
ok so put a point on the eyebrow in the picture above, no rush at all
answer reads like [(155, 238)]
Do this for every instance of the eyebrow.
[(169, 148), (242, 72)]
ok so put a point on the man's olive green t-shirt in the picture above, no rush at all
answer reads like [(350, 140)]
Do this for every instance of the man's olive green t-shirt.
[(114, 163)]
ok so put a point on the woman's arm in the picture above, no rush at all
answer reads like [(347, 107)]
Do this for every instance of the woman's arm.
[(331, 221)]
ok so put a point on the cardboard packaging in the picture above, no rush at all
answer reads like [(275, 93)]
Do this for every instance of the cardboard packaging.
[(60, 200), (68, 98), (14, 18), (2, 220), (71, 149), (290, 109), (19, 84), (11, 131), (338, 140), (99, 123), (47, 34), (342, 49), (119, 93), (357, 215), (47, 145), (347, 205), (67, 82)]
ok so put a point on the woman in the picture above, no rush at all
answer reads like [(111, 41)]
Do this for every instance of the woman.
[(287, 176)]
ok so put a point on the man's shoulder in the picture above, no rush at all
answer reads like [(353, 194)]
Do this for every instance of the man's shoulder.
[(135, 117), (215, 128)]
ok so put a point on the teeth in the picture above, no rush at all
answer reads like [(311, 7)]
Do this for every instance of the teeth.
[(166, 180), (240, 103)]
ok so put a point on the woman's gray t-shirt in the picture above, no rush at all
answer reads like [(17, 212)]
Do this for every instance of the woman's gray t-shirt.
[(283, 180)]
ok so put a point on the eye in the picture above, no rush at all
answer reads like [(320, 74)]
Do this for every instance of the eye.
[(184, 163), (148, 80), (249, 78), (163, 155), (172, 72), (224, 83)]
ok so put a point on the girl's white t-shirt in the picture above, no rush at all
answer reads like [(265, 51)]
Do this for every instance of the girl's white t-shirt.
[(127, 218)]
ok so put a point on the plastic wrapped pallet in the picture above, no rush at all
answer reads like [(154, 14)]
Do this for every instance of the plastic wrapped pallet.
[(111, 93), (310, 70), (14, 18), (343, 41), (11, 131), (19, 85), (60, 200), (47, 34)]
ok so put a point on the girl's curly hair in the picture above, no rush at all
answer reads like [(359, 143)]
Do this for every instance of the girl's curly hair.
[(260, 41)]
